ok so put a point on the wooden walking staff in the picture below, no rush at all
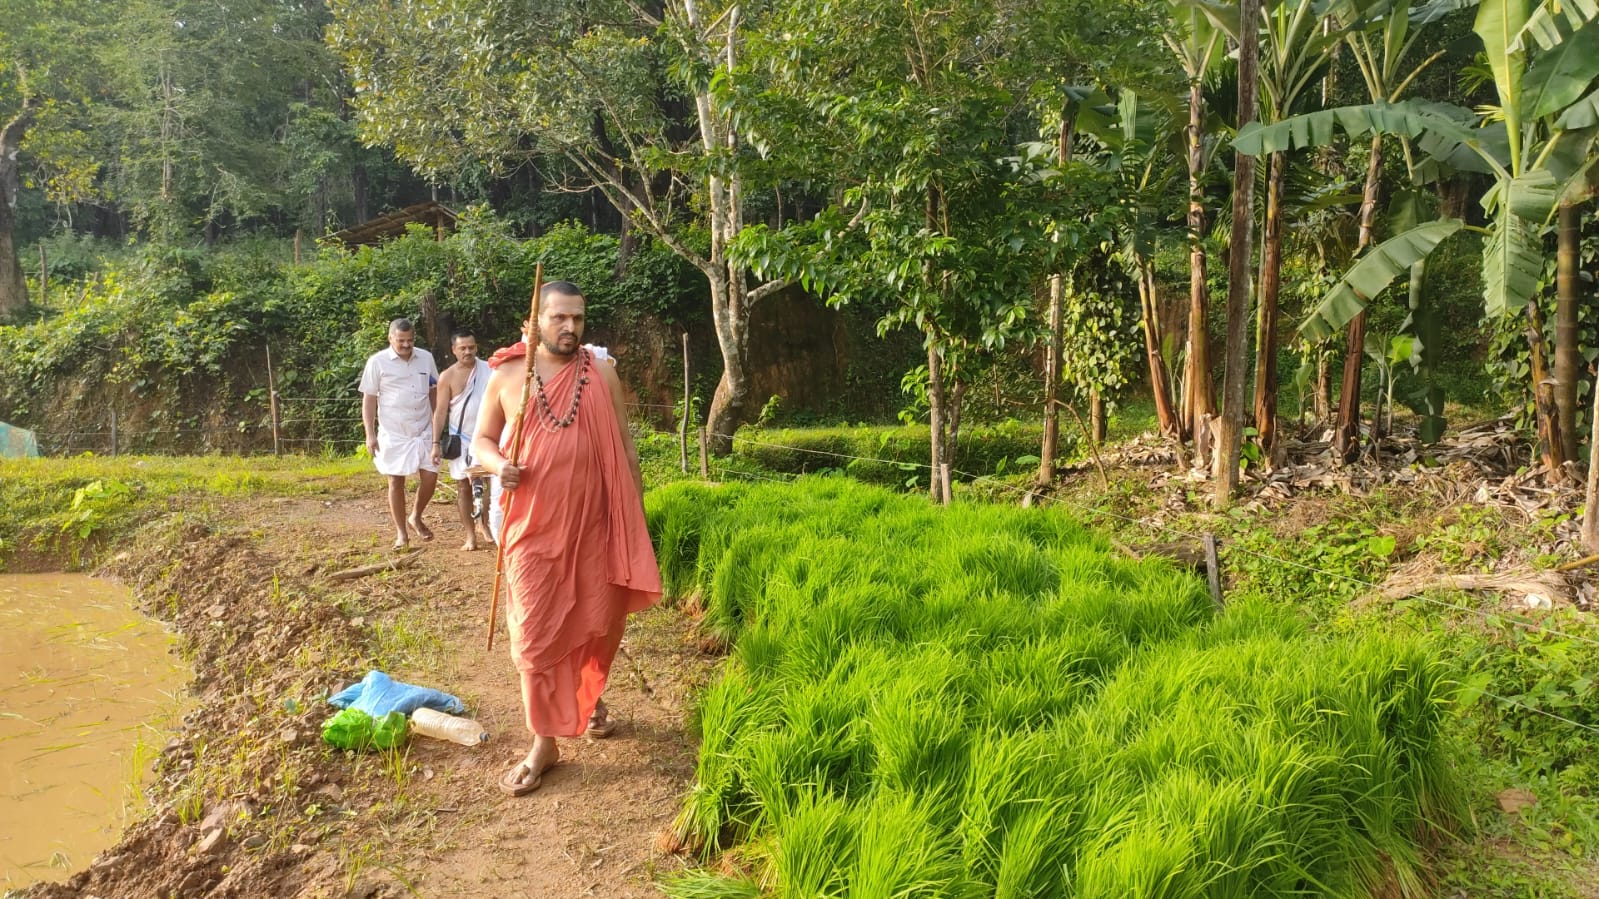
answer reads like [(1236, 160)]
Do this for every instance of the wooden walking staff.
[(516, 446)]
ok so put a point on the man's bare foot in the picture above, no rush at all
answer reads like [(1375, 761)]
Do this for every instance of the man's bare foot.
[(421, 529), (402, 540), (470, 545), (528, 775), (601, 724)]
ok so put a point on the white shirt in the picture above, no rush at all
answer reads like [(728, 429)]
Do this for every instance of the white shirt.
[(401, 386)]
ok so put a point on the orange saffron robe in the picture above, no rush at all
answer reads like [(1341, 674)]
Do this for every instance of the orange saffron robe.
[(578, 557)]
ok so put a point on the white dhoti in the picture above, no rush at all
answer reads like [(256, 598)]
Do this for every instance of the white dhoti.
[(401, 455)]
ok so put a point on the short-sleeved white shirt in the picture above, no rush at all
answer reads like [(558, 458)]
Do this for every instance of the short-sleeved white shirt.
[(401, 386)]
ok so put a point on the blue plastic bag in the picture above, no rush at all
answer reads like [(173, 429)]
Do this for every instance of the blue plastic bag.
[(377, 694)]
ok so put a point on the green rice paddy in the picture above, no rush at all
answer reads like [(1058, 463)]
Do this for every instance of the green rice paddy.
[(988, 701)]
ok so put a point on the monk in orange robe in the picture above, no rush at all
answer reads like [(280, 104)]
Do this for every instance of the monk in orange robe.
[(578, 557)]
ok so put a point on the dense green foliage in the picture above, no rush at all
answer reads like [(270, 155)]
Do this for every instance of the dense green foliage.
[(181, 335), (986, 701)]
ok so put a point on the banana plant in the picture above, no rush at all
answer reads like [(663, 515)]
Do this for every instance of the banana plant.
[(1382, 36), (1533, 143), (1198, 46), (1297, 39)]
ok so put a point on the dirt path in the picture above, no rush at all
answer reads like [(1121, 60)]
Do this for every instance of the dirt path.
[(430, 822)]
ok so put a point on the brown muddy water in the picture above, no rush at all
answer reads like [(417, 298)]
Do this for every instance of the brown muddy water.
[(88, 687)]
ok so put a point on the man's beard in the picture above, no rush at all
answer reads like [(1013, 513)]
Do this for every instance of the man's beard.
[(554, 348)]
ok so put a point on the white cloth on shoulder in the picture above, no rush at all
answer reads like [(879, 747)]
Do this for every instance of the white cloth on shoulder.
[(471, 396), (405, 417)]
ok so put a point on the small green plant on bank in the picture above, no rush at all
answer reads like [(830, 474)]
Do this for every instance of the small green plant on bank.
[(92, 504)]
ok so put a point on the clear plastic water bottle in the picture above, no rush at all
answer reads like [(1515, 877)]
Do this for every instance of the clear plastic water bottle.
[(454, 728)]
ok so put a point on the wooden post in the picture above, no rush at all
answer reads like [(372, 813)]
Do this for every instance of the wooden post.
[(1213, 569), (705, 459), (687, 402), (272, 396), (113, 430), (44, 274), (296, 246), (943, 480)]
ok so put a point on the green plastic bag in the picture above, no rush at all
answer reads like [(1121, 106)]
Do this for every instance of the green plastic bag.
[(355, 729)]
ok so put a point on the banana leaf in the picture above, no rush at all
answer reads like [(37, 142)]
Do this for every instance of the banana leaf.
[(1434, 10), (1372, 274), (1440, 130), (1582, 114), (1562, 75), (1543, 26), (1512, 264)]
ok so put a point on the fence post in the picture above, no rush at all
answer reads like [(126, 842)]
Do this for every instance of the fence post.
[(272, 391), (1213, 569), (943, 480), (113, 430), (683, 430), (705, 459), (44, 275)]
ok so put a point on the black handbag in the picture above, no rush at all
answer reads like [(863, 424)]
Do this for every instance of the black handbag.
[(450, 446)]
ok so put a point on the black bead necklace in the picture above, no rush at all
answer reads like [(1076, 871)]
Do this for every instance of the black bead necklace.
[(547, 418)]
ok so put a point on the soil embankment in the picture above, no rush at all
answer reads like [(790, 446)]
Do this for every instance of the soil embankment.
[(249, 801)]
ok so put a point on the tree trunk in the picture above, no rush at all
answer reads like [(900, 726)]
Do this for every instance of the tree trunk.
[(957, 395), (1057, 333), (1346, 431), (1159, 379), (13, 285), (1590, 515), (359, 189), (1240, 278), (626, 246), (1199, 400), (935, 401), (1097, 428), (730, 403), (1271, 268), (1551, 447), (1052, 360), (1568, 354), (1323, 398)]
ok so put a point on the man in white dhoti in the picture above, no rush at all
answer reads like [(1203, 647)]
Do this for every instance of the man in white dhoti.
[(398, 387), (460, 393)]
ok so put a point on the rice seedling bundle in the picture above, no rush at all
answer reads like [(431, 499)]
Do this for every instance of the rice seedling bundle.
[(984, 701)]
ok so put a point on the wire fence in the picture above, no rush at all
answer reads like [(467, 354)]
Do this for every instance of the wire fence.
[(317, 425)]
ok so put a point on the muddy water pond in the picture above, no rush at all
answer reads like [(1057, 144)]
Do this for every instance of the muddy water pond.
[(88, 687)]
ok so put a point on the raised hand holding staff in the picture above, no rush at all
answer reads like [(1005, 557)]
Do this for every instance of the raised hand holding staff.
[(508, 472)]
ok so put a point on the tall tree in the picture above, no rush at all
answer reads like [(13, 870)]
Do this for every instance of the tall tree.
[(1297, 47), (1197, 44), (903, 98), (46, 78), (626, 93), (202, 124), (1230, 427)]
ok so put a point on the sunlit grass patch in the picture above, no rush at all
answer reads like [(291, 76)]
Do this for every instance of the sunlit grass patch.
[(988, 701)]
